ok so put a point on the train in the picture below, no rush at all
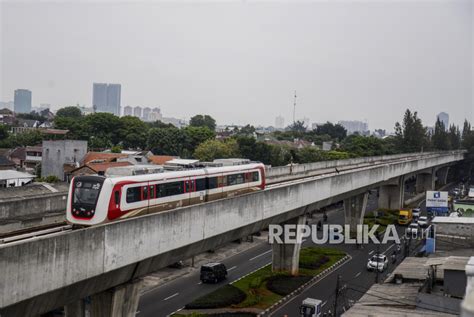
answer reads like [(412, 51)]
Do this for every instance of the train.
[(95, 199)]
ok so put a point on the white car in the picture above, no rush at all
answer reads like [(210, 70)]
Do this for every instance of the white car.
[(423, 222), (416, 213), (413, 229), (382, 262)]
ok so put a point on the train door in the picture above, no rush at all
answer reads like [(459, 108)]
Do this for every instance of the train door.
[(189, 190)]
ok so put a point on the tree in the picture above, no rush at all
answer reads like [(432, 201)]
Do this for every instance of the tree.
[(76, 127), (410, 135), (159, 124), (440, 138), (3, 132), (364, 146), (215, 149), (335, 131), (454, 137), (297, 126), (165, 141), (133, 132), (195, 136), (33, 115), (69, 112), (203, 121), (104, 126), (248, 130), (466, 129)]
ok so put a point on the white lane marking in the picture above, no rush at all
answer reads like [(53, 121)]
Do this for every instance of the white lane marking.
[(174, 295), (199, 283), (371, 252), (138, 312), (389, 248), (260, 255), (231, 268), (357, 274), (324, 304), (175, 311)]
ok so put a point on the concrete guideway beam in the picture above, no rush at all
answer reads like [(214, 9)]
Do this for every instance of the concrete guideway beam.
[(425, 181), (442, 175), (354, 210), (286, 256), (392, 194)]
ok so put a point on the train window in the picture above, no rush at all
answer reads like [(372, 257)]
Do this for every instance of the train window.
[(133, 194), (170, 189), (212, 182), (200, 184), (145, 192), (221, 181), (117, 197), (235, 179), (189, 186), (152, 191), (255, 177)]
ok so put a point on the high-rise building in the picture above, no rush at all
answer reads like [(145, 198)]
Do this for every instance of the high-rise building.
[(106, 98), (443, 117), (279, 122), (155, 115), (22, 101), (354, 126), (137, 111), (127, 111), (146, 114)]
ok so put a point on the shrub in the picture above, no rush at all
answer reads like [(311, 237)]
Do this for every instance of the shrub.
[(222, 297), (314, 263), (284, 284)]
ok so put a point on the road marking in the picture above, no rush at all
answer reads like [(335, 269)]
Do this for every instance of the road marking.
[(138, 312), (260, 255), (324, 303), (389, 248), (231, 268), (169, 297), (199, 283), (357, 274), (371, 252), (175, 311)]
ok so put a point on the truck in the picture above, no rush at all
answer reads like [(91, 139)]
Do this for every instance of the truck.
[(405, 216), (311, 308)]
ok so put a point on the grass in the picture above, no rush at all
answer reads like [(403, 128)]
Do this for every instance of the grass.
[(255, 285)]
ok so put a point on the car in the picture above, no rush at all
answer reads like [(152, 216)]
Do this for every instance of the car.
[(423, 222), (377, 261), (456, 191), (213, 272), (413, 229), (416, 213)]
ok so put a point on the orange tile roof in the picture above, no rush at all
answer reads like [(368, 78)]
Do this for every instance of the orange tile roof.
[(160, 159), (102, 167), (107, 157)]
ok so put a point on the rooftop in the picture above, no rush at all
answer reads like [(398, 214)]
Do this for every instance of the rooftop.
[(97, 156), (160, 159), (12, 174)]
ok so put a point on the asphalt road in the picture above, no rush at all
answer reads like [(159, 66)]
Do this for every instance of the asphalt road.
[(174, 295)]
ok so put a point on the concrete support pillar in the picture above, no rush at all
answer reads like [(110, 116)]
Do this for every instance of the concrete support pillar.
[(442, 176), (424, 182), (286, 256), (467, 305), (120, 301), (76, 309), (354, 210), (392, 195)]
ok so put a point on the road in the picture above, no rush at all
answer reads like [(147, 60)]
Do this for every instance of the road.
[(174, 295)]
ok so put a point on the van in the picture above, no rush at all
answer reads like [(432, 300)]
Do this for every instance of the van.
[(213, 272), (405, 216)]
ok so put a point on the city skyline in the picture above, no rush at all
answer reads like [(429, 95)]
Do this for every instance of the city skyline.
[(355, 64)]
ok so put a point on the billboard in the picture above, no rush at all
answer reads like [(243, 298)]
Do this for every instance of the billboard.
[(437, 202)]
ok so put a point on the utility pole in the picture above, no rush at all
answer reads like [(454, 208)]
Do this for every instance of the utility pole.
[(338, 282), (294, 109)]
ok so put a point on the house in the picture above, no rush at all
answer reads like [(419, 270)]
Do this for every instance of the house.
[(17, 156), (33, 156), (160, 159), (56, 153), (12, 178), (96, 168), (6, 164)]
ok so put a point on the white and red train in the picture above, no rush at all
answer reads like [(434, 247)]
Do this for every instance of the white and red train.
[(94, 200)]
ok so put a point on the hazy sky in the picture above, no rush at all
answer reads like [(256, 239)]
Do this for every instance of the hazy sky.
[(241, 61)]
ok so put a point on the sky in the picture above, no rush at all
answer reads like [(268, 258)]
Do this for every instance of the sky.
[(241, 61)]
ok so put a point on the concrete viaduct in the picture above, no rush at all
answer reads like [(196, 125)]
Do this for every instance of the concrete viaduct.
[(104, 263)]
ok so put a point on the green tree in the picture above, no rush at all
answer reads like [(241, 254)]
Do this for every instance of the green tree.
[(215, 149), (440, 138), (466, 130), (203, 121), (4, 132), (76, 126), (410, 135), (69, 112), (359, 145), (247, 130), (133, 132), (166, 141), (195, 136), (104, 126), (454, 137), (335, 131), (297, 126), (159, 124)]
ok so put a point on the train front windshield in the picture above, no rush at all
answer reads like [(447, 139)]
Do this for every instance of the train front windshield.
[(85, 194)]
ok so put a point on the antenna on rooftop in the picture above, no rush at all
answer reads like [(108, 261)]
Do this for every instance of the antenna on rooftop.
[(294, 108)]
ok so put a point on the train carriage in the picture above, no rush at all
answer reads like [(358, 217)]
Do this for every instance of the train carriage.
[(96, 199)]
